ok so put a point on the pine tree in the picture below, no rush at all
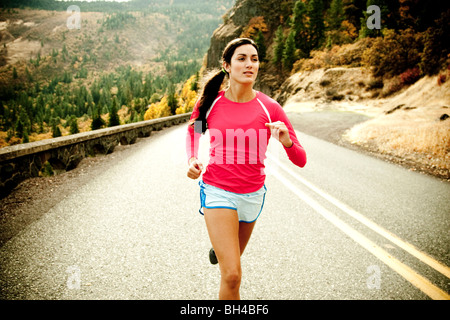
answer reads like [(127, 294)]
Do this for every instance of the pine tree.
[(279, 46), (95, 92), (316, 27), (2, 114), (67, 77), (289, 56), (74, 125), (19, 129), (26, 138), (335, 15), (172, 100), (64, 50), (113, 116), (97, 121), (194, 84), (28, 74), (56, 132), (298, 25), (260, 41)]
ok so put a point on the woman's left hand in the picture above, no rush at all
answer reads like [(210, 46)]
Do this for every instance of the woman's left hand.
[(280, 132)]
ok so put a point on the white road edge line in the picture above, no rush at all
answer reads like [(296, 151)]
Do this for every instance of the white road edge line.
[(438, 266), (410, 275)]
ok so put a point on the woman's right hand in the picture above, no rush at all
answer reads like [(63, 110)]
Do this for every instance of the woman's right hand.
[(195, 168)]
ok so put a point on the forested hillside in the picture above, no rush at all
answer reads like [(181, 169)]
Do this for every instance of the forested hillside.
[(409, 40), (64, 72)]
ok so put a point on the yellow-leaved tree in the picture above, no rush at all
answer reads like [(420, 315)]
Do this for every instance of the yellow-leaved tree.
[(158, 110), (188, 96)]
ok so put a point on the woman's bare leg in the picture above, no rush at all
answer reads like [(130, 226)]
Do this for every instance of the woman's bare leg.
[(245, 231), (223, 230)]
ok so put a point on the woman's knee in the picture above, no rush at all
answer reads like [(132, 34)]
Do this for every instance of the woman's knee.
[(232, 277)]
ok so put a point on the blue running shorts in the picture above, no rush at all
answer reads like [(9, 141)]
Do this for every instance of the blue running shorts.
[(247, 205)]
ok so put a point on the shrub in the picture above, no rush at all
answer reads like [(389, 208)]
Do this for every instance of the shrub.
[(441, 79), (350, 54), (298, 65), (344, 55), (375, 84), (436, 48), (410, 76), (47, 170), (392, 86), (405, 48), (317, 61)]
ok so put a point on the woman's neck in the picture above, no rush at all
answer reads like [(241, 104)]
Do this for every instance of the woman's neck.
[(240, 93)]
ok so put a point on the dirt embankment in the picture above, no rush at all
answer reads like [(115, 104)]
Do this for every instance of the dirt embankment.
[(410, 127)]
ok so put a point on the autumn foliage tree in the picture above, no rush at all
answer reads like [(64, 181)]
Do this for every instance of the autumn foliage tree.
[(158, 109), (255, 30), (339, 30), (188, 96), (255, 25), (404, 47)]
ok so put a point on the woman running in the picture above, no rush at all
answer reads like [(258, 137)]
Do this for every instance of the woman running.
[(240, 121)]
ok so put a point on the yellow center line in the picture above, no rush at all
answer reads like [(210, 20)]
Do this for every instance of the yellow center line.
[(436, 265), (406, 272)]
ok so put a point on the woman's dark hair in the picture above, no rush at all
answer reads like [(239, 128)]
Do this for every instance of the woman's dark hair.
[(212, 86)]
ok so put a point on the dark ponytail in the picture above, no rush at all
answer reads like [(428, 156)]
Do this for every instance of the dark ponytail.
[(212, 86), (210, 91)]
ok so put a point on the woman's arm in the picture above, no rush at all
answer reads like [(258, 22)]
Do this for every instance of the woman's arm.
[(280, 131), (284, 132), (195, 168), (192, 135), (192, 143)]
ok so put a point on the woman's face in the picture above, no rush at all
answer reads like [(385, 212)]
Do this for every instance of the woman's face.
[(244, 65)]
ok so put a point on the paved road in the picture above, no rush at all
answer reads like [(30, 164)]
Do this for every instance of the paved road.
[(347, 226)]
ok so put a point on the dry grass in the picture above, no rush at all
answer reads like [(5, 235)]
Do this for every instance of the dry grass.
[(406, 128), (424, 141)]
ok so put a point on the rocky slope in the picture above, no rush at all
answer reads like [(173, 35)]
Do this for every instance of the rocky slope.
[(236, 22), (237, 18)]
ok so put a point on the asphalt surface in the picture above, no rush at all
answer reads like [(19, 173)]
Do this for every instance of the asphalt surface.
[(133, 231)]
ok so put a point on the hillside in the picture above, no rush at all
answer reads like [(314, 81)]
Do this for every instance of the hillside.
[(410, 127), (58, 79)]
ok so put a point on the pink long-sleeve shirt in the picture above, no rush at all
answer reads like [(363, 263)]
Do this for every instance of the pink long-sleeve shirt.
[(239, 140)]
